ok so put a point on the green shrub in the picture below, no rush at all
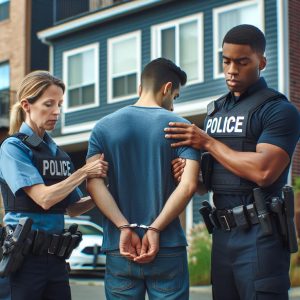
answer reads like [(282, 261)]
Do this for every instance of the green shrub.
[(199, 256)]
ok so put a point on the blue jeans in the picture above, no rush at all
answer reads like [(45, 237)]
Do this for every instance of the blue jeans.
[(166, 277)]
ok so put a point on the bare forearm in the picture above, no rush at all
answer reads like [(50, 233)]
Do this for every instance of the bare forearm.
[(174, 205), (259, 167), (47, 196), (105, 202), (83, 205)]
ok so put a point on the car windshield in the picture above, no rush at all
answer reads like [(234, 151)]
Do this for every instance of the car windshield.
[(89, 230)]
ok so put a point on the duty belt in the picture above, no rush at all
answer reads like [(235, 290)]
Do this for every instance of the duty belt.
[(240, 216)]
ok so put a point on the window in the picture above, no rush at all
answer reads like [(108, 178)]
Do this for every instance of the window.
[(4, 9), (124, 64), (4, 90), (181, 41), (226, 17), (81, 77)]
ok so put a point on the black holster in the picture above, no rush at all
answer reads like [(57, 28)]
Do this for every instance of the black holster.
[(15, 247)]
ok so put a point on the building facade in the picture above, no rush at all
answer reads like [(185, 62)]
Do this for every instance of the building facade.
[(101, 50), (20, 50)]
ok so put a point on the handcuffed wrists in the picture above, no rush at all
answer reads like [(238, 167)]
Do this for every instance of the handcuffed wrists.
[(142, 226)]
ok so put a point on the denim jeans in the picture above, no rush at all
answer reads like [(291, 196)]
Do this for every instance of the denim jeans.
[(166, 277)]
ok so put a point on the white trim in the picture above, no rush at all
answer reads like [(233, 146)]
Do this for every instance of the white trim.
[(283, 59), (78, 127), (216, 12), (51, 59), (156, 41), (72, 139), (97, 17), (110, 42), (66, 55), (194, 107), (283, 50)]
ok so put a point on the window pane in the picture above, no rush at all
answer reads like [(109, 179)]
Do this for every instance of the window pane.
[(4, 103), (124, 56), (188, 45), (74, 97), (131, 84), (168, 43), (88, 72), (229, 19), (75, 70), (88, 94), (119, 87), (4, 76), (4, 10)]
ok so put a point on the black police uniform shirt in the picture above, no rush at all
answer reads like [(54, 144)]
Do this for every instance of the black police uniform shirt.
[(276, 123)]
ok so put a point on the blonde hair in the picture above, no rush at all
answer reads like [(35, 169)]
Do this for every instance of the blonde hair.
[(32, 88)]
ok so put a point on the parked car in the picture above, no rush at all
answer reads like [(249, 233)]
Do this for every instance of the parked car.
[(88, 255)]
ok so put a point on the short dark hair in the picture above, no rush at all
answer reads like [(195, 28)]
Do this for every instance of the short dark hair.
[(160, 71), (246, 35)]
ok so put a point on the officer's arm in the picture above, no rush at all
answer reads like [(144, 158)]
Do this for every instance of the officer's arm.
[(262, 167), (47, 196), (80, 207)]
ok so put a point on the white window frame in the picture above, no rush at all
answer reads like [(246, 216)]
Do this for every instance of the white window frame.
[(156, 41), (66, 54), (219, 10), (111, 41)]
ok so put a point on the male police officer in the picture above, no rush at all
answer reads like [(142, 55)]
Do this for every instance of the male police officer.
[(251, 134)]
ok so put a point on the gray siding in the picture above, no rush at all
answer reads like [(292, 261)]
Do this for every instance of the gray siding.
[(143, 21)]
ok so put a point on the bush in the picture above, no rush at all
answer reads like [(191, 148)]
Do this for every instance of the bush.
[(199, 256)]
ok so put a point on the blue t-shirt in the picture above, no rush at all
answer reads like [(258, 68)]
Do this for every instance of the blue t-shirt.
[(140, 178), (18, 171), (276, 123)]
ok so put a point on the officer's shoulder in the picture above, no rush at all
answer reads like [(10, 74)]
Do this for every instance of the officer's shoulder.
[(280, 104), (12, 143)]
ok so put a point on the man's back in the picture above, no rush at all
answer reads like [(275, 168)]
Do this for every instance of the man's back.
[(140, 178)]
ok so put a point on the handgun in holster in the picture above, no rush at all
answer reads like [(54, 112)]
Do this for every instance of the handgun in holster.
[(15, 247), (288, 200), (207, 169), (277, 208), (206, 212), (76, 237)]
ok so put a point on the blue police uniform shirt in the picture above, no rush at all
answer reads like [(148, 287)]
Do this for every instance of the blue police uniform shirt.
[(140, 176), (18, 171), (276, 123)]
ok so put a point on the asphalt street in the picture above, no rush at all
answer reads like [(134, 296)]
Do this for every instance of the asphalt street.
[(92, 288)]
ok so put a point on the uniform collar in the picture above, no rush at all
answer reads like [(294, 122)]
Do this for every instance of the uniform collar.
[(26, 129), (258, 85)]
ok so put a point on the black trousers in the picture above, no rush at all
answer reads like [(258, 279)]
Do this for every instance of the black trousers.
[(40, 278), (246, 265)]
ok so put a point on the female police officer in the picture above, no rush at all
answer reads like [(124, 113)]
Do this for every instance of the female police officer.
[(37, 182)]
